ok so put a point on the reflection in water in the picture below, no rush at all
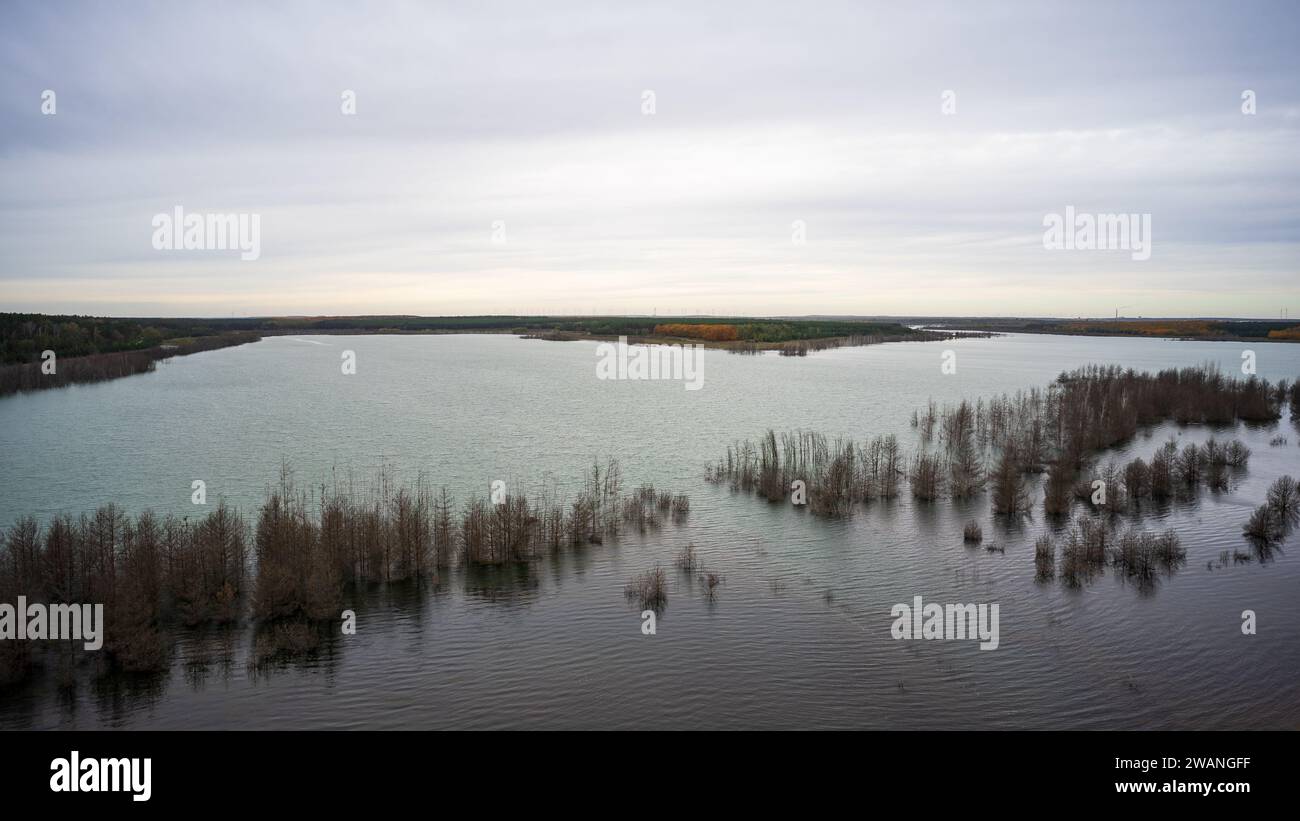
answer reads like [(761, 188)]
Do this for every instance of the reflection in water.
[(118, 697), (206, 652), (281, 645), (508, 585)]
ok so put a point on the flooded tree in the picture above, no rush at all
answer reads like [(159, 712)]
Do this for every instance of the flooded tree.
[(1044, 559), (290, 568), (649, 589), (1010, 497), (925, 479), (965, 465)]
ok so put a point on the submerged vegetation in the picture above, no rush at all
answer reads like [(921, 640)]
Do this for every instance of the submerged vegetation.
[(994, 446), (1171, 473), (1044, 559), (1273, 520), (291, 566), (1010, 495), (144, 570), (832, 476), (688, 559), (649, 589), (1091, 544), (1086, 411)]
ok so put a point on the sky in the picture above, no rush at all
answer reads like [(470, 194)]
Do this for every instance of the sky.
[(759, 158)]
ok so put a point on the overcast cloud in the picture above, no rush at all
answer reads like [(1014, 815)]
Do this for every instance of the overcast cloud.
[(531, 114)]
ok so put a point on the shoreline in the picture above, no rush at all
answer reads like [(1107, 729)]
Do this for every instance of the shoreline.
[(29, 377), (1179, 330), (744, 336)]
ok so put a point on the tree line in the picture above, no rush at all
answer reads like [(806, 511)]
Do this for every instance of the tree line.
[(289, 566), (993, 446), (98, 367)]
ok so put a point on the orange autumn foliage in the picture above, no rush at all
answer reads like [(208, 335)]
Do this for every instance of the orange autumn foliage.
[(712, 333)]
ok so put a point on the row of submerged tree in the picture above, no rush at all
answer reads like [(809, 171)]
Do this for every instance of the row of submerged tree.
[(1172, 472), (977, 447), (992, 447), (1093, 543), (1062, 429), (1098, 406), (835, 475), (290, 567), (144, 570)]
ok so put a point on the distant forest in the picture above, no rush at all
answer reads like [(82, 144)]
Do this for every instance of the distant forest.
[(91, 349), (1271, 330), (24, 336)]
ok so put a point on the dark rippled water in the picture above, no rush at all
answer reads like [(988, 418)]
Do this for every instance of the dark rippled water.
[(799, 634)]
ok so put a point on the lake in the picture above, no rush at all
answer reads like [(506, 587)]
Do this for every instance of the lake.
[(797, 636)]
